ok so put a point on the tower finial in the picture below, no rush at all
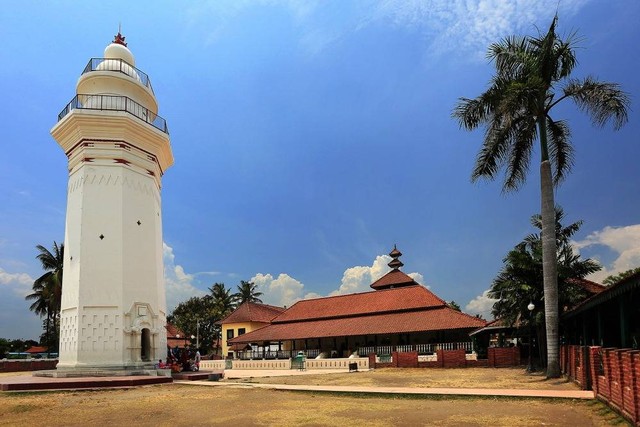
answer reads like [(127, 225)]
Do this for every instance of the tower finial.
[(119, 38), (395, 263)]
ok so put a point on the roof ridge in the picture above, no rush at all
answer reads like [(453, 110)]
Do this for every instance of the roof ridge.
[(355, 293)]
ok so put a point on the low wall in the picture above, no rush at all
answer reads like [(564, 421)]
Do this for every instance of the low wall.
[(502, 357), (212, 364), (612, 373), (363, 363), (497, 358), (27, 365), (262, 364)]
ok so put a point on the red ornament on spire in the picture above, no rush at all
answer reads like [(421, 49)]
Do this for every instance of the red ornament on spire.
[(119, 39)]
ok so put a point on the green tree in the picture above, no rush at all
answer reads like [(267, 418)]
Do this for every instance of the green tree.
[(521, 279), (197, 317), (615, 278), (247, 291), (532, 76), (47, 290), (224, 303), (454, 305), (222, 299)]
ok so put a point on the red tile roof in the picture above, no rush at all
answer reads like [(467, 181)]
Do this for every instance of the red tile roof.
[(592, 288), (36, 349), (395, 278), (430, 319), (253, 312), (374, 302)]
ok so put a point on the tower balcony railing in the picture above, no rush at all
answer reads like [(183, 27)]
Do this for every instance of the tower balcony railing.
[(115, 103), (119, 66)]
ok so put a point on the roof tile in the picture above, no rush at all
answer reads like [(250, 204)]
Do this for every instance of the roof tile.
[(387, 300)]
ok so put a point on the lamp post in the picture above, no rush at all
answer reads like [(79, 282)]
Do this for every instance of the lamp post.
[(197, 334), (530, 307)]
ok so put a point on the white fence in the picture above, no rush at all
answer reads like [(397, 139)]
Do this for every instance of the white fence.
[(363, 364), (383, 350), (212, 364)]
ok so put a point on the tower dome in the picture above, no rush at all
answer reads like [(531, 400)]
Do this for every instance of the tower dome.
[(118, 49)]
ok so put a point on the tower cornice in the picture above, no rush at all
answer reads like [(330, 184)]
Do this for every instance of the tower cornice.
[(81, 125)]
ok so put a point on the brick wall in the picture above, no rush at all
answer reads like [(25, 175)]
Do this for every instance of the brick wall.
[(614, 376), (405, 360), (500, 357)]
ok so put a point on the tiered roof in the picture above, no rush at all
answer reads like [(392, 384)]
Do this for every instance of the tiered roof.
[(398, 305)]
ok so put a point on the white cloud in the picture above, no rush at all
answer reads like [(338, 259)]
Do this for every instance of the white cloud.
[(471, 26), (481, 305), (19, 283), (178, 284), (461, 26), (284, 290), (624, 241)]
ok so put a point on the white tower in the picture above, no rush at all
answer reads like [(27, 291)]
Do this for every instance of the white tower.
[(113, 310)]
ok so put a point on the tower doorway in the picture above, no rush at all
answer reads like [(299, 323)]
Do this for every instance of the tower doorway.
[(145, 345)]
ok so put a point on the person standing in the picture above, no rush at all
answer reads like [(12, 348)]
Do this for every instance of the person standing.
[(197, 360)]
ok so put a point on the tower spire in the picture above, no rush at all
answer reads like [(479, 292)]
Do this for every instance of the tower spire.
[(119, 38), (395, 263)]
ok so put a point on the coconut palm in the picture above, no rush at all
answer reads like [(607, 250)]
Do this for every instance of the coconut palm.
[(47, 289), (247, 291), (222, 299), (532, 77)]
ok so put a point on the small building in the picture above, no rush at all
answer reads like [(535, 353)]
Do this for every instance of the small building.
[(248, 317), (399, 315), (610, 318)]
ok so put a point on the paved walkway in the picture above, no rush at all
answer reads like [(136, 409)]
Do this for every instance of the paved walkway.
[(562, 394), (231, 374)]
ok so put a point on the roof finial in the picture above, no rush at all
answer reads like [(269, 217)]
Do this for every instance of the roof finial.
[(395, 263), (119, 38)]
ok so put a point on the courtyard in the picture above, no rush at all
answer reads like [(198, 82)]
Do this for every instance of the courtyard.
[(179, 404)]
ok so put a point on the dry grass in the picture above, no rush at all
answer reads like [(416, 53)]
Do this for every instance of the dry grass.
[(180, 405)]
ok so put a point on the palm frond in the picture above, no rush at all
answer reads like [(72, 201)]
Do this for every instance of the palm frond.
[(603, 101), (560, 149)]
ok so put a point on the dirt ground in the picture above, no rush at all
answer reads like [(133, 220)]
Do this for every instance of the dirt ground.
[(503, 378), (181, 405), (186, 405)]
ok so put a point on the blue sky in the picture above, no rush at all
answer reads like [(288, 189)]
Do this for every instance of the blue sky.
[(310, 137)]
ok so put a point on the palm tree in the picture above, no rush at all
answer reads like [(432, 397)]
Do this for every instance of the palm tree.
[(247, 291), (222, 299), (47, 289), (532, 77)]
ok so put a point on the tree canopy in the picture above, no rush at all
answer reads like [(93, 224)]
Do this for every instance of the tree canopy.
[(532, 76), (247, 291), (47, 292), (615, 278), (520, 281)]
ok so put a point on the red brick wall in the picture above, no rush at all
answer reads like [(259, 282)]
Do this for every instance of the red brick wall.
[(372, 360), (614, 375), (452, 358), (27, 365), (500, 357), (405, 360), (630, 404)]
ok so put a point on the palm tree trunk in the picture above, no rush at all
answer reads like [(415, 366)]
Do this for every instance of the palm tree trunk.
[(549, 269)]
